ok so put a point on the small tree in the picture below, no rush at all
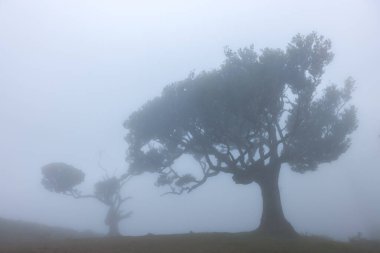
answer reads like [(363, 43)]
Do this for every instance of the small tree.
[(64, 179), (247, 118)]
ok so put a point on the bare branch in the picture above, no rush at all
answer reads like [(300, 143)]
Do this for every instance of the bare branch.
[(125, 215)]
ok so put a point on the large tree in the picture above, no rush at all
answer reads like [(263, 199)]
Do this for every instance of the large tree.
[(64, 179), (247, 118)]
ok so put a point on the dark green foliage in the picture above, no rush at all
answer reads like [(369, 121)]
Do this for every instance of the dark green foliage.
[(60, 177)]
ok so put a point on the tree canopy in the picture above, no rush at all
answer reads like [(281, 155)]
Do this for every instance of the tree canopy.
[(61, 177), (246, 118)]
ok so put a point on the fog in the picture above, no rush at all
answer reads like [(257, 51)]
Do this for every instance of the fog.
[(71, 72)]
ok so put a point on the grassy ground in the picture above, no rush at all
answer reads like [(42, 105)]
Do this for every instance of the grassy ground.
[(195, 243), (16, 232)]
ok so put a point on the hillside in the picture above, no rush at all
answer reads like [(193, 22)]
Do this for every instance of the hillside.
[(13, 231), (194, 243)]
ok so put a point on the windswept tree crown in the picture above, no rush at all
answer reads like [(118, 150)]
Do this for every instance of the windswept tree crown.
[(257, 111), (61, 177)]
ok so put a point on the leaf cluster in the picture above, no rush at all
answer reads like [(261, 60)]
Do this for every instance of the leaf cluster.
[(254, 113)]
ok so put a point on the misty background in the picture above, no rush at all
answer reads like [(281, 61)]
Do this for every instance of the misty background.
[(71, 72)]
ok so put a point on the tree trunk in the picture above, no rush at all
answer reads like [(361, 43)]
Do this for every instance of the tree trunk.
[(112, 221), (273, 221), (113, 229)]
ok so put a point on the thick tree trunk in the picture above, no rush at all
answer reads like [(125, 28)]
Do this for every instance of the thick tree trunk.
[(273, 221)]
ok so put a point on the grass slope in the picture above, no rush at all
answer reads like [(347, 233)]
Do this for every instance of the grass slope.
[(19, 232), (197, 243)]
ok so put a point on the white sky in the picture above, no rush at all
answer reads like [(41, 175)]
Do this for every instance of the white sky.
[(72, 71)]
